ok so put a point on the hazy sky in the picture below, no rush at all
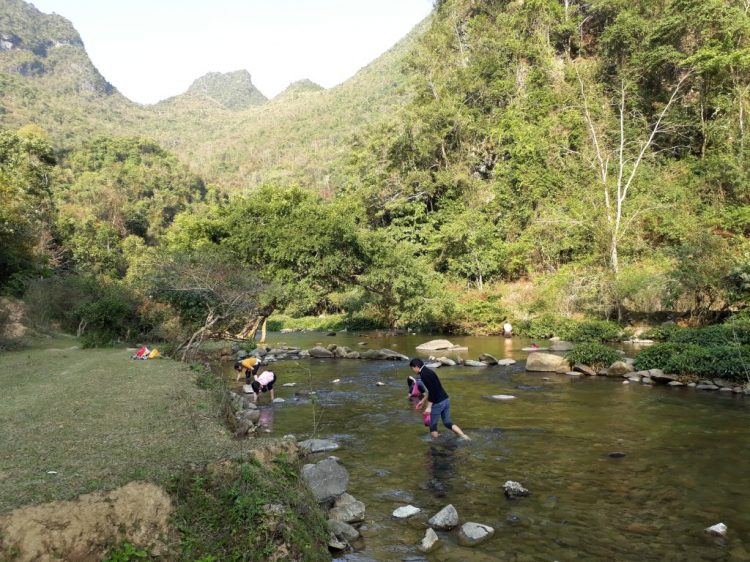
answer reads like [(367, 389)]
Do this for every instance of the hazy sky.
[(154, 49)]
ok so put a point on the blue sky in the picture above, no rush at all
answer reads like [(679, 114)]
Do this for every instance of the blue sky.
[(154, 49)]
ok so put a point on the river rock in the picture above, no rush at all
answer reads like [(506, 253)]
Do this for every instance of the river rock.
[(304, 353), (737, 390), (347, 509), (278, 400), (535, 349), (660, 376), (250, 415), (725, 389), (489, 359), (502, 397), (406, 511), (353, 355), (435, 345), (433, 365), (379, 383), (545, 362), (343, 531), (320, 351), (692, 385), (585, 369), (259, 352), (617, 455), (331, 347), (331, 334), (472, 534), (447, 362), (718, 530), (317, 446), (429, 542), (470, 363), (289, 384), (394, 355), (514, 490), (562, 346), (242, 428), (506, 362), (619, 368), (327, 479), (335, 544), (445, 519), (647, 380), (247, 389), (722, 383), (706, 387), (241, 354), (675, 383)]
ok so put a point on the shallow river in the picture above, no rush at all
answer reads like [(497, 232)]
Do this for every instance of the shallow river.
[(686, 466)]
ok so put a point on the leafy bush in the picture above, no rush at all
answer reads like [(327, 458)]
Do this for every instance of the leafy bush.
[(712, 336), (661, 333), (548, 325), (595, 355), (730, 362), (595, 331), (480, 315), (278, 322)]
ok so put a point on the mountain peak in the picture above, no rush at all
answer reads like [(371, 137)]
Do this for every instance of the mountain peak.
[(295, 89), (234, 90)]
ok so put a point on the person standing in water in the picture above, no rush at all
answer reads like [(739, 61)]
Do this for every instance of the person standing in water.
[(438, 402), (507, 330)]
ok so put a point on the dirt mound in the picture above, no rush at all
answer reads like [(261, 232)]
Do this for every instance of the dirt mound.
[(82, 529)]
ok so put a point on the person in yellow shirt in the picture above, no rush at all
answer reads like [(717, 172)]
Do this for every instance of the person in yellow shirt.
[(247, 366)]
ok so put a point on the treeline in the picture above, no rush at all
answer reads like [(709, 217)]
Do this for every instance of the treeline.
[(557, 158)]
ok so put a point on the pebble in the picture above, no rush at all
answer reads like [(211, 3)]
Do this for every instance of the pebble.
[(625, 382), (617, 455), (289, 384), (380, 384), (718, 530), (334, 381)]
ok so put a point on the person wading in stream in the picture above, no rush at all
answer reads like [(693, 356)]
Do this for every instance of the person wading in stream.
[(438, 402)]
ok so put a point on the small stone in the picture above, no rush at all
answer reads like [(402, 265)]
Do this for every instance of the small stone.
[(692, 385), (380, 384), (474, 533), (616, 455), (336, 381), (279, 401), (625, 382), (675, 383), (707, 387), (471, 363), (343, 531), (487, 358), (546, 378), (502, 397), (514, 490), (406, 512), (506, 362), (318, 445), (574, 374), (718, 530), (289, 384), (429, 542), (737, 390), (647, 380), (585, 369), (725, 389), (335, 544), (445, 519)]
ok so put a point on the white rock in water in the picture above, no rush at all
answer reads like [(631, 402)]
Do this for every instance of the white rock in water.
[(718, 530), (625, 382), (434, 365), (506, 362), (429, 541), (406, 512), (289, 384), (380, 384), (336, 381), (279, 401), (247, 389), (503, 397), (514, 490)]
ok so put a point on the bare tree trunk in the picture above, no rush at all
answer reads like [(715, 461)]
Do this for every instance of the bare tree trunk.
[(263, 333), (82, 327)]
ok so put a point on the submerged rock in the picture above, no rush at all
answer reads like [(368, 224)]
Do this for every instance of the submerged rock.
[(616, 455), (502, 397), (474, 533), (406, 511), (514, 490), (446, 362), (470, 363), (445, 519), (335, 544)]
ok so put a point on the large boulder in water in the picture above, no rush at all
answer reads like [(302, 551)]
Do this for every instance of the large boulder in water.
[(436, 345), (321, 352), (545, 362), (327, 479), (619, 368), (487, 358)]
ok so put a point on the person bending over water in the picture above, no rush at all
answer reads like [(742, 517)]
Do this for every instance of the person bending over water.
[(263, 383), (438, 402), (416, 386)]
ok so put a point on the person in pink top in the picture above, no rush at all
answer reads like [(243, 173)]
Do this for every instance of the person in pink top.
[(263, 383)]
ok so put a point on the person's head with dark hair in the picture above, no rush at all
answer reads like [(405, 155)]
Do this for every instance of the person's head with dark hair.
[(416, 364), (256, 387), (237, 366)]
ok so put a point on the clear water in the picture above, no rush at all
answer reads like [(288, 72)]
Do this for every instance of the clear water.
[(686, 466)]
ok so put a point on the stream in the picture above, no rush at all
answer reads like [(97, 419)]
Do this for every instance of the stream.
[(685, 469)]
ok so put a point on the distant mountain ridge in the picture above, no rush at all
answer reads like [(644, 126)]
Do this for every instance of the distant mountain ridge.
[(223, 126), (233, 90)]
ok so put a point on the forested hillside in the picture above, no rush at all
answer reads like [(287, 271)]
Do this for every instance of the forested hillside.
[(585, 160)]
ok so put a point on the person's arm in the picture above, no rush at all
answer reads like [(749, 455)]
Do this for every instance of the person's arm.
[(424, 399), (239, 374)]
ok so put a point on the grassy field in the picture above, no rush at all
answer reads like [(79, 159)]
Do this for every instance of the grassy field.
[(99, 420)]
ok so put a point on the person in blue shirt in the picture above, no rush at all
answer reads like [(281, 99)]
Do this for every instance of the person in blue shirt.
[(438, 402)]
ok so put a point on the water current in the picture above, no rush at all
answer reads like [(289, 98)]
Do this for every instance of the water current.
[(686, 465)]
